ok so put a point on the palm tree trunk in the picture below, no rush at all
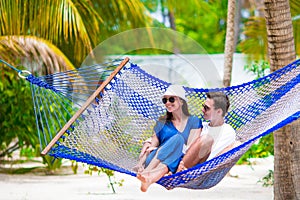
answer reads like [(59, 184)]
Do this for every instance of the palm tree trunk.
[(281, 51), (237, 21), (229, 44)]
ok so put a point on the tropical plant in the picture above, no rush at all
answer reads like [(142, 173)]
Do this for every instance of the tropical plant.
[(255, 43), (48, 37), (229, 42), (109, 173), (60, 34), (203, 21), (16, 115)]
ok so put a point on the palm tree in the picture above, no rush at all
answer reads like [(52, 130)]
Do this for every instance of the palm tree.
[(52, 36), (60, 33), (255, 31), (286, 140), (230, 42)]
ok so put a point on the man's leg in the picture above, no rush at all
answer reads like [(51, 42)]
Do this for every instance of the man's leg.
[(197, 153)]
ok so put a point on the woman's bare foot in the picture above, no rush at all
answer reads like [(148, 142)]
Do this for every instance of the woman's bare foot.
[(145, 186), (145, 180), (141, 177), (138, 168), (149, 177)]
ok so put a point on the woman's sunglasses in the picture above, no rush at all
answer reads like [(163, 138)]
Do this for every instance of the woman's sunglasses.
[(165, 100)]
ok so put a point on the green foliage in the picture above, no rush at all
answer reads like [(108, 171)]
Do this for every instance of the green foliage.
[(74, 166), (17, 121), (16, 114), (210, 28), (51, 163), (258, 68), (30, 152), (203, 21), (255, 42), (268, 180), (109, 173), (262, 149)]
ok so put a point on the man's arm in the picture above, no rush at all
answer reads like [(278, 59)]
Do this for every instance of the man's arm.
[(229, 147)]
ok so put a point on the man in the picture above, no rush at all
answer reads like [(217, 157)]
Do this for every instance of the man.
[(216, 137)]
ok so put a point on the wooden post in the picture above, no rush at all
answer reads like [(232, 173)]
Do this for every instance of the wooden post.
[(84, 107)]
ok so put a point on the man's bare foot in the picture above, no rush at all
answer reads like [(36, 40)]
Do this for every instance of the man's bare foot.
[(169, 173), (181, 167)]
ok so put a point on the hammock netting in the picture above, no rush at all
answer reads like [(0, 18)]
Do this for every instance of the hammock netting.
[(111, 130)]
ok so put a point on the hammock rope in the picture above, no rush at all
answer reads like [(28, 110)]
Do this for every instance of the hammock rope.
[(80, 118)]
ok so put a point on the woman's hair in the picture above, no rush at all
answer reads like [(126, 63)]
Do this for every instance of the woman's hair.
[(169, 115), (220, 101)]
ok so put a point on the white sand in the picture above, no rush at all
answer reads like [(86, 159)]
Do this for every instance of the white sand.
[(82, 186)]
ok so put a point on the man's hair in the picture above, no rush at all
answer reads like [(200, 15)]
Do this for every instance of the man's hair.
[(220, 101)]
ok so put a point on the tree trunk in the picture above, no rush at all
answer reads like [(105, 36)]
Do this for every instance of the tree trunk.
[(237, 22), (281, 50), (229, 44), (176, 50), (172, 20)]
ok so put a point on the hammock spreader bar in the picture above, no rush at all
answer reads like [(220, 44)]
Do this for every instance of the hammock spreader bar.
[(84, 107)]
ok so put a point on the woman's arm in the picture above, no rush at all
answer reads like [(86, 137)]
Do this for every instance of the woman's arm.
[(154, 140), (194, 133), (149, 144)]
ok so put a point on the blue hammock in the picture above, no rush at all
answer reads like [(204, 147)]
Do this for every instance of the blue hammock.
[(81, 117)]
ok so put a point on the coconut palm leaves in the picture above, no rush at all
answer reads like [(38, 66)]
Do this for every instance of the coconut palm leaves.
[(256, 34), (74, 27)]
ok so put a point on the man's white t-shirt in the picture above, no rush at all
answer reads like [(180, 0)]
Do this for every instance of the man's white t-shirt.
[(223, 136)]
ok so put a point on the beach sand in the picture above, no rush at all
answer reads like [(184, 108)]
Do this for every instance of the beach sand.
[(241, 183)]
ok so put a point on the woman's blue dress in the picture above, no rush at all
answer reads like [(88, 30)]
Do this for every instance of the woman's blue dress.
[(170, 150)]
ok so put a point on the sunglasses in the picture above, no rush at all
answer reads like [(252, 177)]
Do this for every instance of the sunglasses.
[(206, 107), (165, 100)]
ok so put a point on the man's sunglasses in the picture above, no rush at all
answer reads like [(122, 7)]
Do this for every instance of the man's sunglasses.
[(165, 100), (206, 108)]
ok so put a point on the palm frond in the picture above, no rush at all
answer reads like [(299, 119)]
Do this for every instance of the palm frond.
[(37, 54), (255, 45), (63, 22)]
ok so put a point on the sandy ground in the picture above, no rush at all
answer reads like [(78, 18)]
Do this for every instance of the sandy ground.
[(81, 186)]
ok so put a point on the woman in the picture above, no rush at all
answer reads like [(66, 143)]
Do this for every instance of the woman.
[(173, 133)]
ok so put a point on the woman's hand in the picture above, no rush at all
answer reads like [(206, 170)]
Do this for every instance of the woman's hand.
[(151, 148), (145, 148)]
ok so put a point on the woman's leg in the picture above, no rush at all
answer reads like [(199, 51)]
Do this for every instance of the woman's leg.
[(140, 166), (151, 163), (149, 177)]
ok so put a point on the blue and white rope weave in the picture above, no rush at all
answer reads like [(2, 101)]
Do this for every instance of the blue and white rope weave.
[(111, 131)]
